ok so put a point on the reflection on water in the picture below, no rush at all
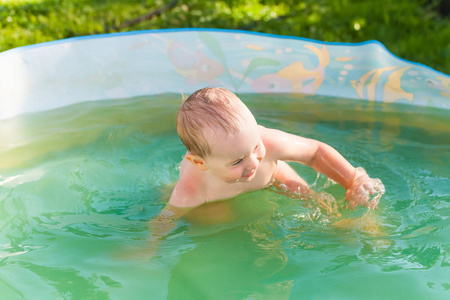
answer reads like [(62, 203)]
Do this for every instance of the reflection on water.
[(79, 184), (220, 268)]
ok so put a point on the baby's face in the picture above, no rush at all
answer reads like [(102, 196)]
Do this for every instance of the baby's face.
[(236, 157)]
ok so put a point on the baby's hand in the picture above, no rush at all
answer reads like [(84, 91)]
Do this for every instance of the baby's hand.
[(364, 190)]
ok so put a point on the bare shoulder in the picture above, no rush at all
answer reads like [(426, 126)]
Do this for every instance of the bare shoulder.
[(286, 146), (271, 137), (266, 133), (184, 195), (272, 134), (188, 191)]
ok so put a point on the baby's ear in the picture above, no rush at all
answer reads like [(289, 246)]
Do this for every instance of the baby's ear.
[(197, 161)]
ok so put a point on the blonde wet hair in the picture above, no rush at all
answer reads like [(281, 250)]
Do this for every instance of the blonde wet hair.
[(208, 108)]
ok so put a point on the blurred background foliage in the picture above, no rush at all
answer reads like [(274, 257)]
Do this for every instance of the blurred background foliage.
[(416, 30)]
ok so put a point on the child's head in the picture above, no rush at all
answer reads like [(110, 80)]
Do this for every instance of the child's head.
[(205, 110)]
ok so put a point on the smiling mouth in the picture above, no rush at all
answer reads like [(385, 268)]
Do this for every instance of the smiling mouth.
[(249, 175)]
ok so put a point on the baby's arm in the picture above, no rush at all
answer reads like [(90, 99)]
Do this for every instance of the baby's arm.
[(361, 189), (161, 226), (185, 196)]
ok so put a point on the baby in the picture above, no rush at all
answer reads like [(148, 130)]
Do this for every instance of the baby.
[(230, 154)]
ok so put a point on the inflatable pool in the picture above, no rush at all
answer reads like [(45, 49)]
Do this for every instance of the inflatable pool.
[(89, 153), (60, 73)]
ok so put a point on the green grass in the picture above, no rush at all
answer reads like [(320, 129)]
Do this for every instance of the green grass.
[(411, 29)]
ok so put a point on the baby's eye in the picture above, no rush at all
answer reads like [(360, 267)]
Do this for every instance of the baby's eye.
[(237, 162)]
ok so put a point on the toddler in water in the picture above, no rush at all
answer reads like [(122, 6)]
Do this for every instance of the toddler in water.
[(230, 154)]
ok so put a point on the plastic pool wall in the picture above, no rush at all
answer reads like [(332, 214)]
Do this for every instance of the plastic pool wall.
[(56, 74)]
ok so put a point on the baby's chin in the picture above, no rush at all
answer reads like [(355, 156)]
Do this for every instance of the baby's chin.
[(240, 180)]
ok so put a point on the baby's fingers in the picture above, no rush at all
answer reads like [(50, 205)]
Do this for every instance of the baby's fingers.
[(367, 193), (375, 196)]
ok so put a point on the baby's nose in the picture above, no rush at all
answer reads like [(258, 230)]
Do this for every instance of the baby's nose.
[(259, 156), (255, 161)]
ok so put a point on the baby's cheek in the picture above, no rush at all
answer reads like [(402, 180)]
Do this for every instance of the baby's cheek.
[(233, 175)]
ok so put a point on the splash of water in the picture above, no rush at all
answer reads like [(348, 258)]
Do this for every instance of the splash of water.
[(364, 190), (323, 205)]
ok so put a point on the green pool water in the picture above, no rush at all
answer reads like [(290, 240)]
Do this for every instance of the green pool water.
[(79, 184)]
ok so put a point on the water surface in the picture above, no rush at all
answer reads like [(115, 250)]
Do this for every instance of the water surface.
[(79, 184)]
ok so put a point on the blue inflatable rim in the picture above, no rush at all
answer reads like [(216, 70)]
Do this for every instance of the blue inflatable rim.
[(109, 35)]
